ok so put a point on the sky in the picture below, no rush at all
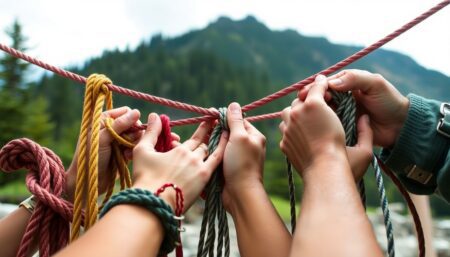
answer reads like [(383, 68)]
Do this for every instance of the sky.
[(67, 32)]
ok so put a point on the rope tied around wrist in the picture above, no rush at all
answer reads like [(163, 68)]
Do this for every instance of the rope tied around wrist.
[(154, 204), (179, 209)]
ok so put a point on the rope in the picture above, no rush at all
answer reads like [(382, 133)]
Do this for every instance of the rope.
[(155, 205), (291, 195), (385, 207), (214, 206), (46, 181), (411, 206), (346, 111), (211, 114)]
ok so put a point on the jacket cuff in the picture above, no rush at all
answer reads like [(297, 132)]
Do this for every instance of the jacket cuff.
[(418, 145)]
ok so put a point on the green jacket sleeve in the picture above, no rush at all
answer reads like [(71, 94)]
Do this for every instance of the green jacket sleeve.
[(419, 145)]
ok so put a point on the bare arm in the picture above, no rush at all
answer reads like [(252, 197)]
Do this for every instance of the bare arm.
[(260, 230), (128, 230), (332, 221), (12, 228)]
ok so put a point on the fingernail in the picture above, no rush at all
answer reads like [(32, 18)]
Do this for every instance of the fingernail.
[(320, 77), (130, 114), (151, 118), (235, 108), (335, 82)]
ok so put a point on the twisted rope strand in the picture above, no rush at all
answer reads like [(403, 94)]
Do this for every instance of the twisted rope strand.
[(210, 114), (354, 57)]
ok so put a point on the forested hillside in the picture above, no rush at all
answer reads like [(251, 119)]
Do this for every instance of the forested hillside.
[(226, 61)]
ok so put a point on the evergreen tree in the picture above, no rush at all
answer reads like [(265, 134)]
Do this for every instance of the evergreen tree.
[(23, 112)]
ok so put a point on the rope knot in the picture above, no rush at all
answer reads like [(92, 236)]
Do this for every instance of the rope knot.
[(46, 181), (99, 83)]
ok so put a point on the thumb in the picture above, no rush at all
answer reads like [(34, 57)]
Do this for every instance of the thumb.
[(153, 130), (235, 120), (349, 80)]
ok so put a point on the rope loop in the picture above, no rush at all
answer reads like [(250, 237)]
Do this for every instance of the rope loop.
[(46, 181)]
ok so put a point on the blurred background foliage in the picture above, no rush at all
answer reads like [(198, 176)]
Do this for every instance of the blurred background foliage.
[(226, 61)]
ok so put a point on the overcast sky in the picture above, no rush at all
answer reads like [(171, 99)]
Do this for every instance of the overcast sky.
[(68, 32)]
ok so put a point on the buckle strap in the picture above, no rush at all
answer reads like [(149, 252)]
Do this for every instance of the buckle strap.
[(443, 126)]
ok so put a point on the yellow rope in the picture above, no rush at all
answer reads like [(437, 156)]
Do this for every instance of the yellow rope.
[(96, 96)]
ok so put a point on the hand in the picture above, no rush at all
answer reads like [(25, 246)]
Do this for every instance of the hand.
[(244, 156), (311, 130), (375, 96), (185, 165), (124, 118), (360, 155)]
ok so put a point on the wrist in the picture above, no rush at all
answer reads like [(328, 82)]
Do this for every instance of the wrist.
[(238, 200), (168, 195), (326, 162), (402, 114)]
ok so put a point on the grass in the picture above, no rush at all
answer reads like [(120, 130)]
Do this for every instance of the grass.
[(283, 207), (14, 189)]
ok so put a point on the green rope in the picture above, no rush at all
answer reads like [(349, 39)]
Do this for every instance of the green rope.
[(214, 206), (154, 204)]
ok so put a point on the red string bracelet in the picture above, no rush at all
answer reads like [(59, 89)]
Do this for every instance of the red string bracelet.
[(179, 208)]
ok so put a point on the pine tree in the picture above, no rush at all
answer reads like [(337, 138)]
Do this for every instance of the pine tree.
[(23, 113)]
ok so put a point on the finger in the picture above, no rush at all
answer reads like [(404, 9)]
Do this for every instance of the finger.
[(126, 121), (352, 80), (285, 114), (199, 136), (317, 92), (215, 158), (295, 102), (201, 151), (302, 93), (235, 120), (365, 133), (282, 127), (153, 130), (175, 144), (175, 137), (116, 112)]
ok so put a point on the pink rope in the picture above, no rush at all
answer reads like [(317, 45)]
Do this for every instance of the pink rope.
[(124, 91), (354, 57), (210, 113), (46, 181)]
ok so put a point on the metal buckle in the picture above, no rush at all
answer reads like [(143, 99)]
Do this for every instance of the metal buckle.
[(445, 108), (445, 111), (419, 175)]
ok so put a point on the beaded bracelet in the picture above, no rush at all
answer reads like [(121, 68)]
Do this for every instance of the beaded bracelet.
[(155, 205)]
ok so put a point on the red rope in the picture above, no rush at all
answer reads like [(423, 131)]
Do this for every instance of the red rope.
[(46, 181), (210, 113), (411, 206)]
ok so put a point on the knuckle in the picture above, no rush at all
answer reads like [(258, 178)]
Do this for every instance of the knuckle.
[(378, 78)]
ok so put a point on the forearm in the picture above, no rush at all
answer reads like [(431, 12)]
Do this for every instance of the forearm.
[(125, 230), (260, 230), (332, 221), (12, 228)]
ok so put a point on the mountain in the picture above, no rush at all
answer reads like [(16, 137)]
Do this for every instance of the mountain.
[(288, 56), (228, 61)]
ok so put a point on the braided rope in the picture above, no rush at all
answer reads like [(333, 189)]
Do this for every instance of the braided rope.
[(46, 180), (346, 111), (411, 206), (385, 207), (155, 205), (214, 206), (211, 114), (291, 195)]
